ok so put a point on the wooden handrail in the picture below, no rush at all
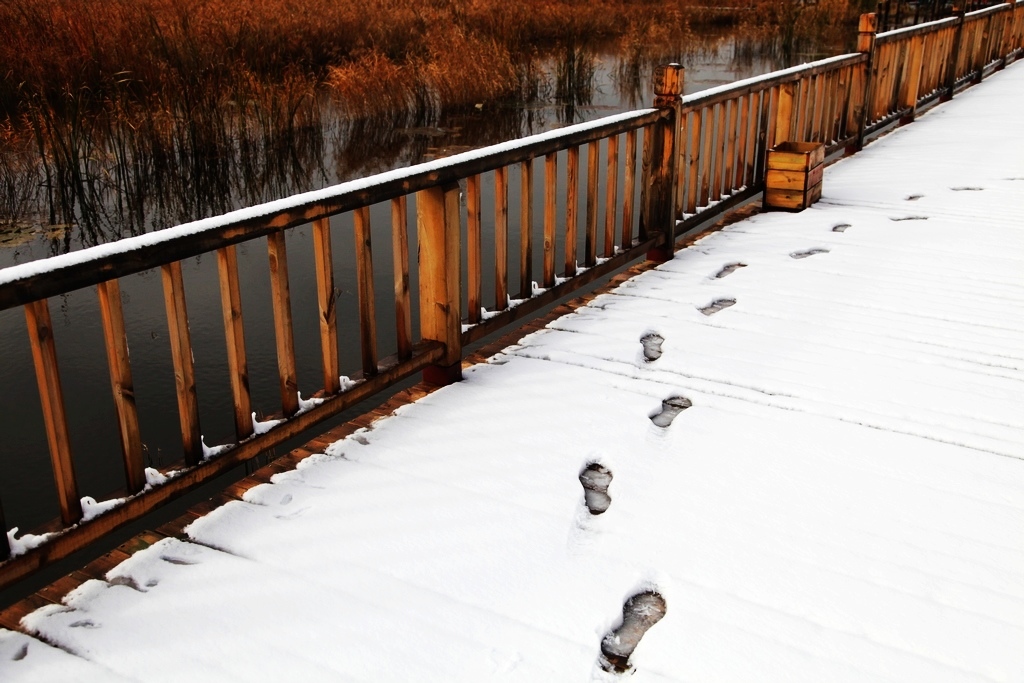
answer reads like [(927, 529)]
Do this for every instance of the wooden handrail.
[(701, 155)]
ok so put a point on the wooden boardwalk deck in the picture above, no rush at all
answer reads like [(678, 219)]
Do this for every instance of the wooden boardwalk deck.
[(844, 500)]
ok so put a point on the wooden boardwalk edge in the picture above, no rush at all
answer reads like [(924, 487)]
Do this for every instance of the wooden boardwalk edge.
[(55, 592)]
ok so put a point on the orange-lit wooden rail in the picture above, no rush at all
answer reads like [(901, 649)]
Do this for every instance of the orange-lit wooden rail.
[(702, 155)]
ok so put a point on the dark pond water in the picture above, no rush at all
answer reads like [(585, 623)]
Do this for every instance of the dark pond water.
[(567, 90)]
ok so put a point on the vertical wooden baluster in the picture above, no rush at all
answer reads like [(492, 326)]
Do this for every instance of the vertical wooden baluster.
[(280, 296), (752, 150), (629, 189), (707, 129), (784, 114), (501, 238), (474, 250), (550, 206), (862, 84), (184, 368), (439, 230), (112, 317), (802, 114), (765, 131), (526, 230), (51, 396), (773, 118), (234, 337), (740, 179), (806, 129), (400, 249), (572, 210), (915, 60), (818, 114), (721, 143), (590, 248), (327, 299), (691, 170), (661, 163), (610, 196), (364, 280), (828, 101), (730, 154)]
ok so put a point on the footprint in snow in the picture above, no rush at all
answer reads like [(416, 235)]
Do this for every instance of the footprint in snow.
[(596, 479), (717, 305), (908, 218), (652, 346), (840, 227), (913, 197), (971, 189), (729, 268), (85, 623), (808, 252), (670, 408), (21, 653), (639, 614)]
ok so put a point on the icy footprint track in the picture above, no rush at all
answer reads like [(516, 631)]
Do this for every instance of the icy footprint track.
[(728, 269), (840, 227), (670, 409), (717, 305), (639, 614), (652, 346), (809, 252), (595, 479)]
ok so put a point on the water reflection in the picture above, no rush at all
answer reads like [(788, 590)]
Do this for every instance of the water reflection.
[(99, 180)]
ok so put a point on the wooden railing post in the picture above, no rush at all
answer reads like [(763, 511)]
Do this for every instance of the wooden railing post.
[(659, 164), (954, 56), (866, 30), (44, 356), (437, 224), (184, 365)]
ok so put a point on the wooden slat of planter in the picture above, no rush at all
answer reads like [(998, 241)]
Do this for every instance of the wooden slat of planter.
[(327, 299), (474, 249), (526, 230), (572, 198), (364, 285), (629, 190), (285, 342), (611, 200), (501, 238), (590, 247), (550, 206), (121, 385), (234, 336), (184, 369)]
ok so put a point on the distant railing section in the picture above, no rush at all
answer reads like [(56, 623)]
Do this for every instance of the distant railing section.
[(700, 155)]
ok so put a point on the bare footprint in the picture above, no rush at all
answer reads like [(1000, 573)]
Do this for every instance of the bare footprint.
[(670, 408), (639, 614), (652, 346), (808, 252), (729, 268), (840, 227), (717, 305), (596, 479)]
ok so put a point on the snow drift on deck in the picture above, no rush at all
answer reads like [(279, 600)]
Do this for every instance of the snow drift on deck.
[(844, 500)]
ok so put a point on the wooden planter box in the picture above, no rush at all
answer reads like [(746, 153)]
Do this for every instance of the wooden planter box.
[(793, 181)]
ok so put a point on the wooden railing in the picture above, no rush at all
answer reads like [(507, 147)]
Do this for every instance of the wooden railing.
[(701, 155)]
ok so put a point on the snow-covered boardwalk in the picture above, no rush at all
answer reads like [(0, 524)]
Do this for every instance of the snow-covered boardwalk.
[(844, 500)]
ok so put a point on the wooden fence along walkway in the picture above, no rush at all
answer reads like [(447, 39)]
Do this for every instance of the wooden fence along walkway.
[(701, 155)]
